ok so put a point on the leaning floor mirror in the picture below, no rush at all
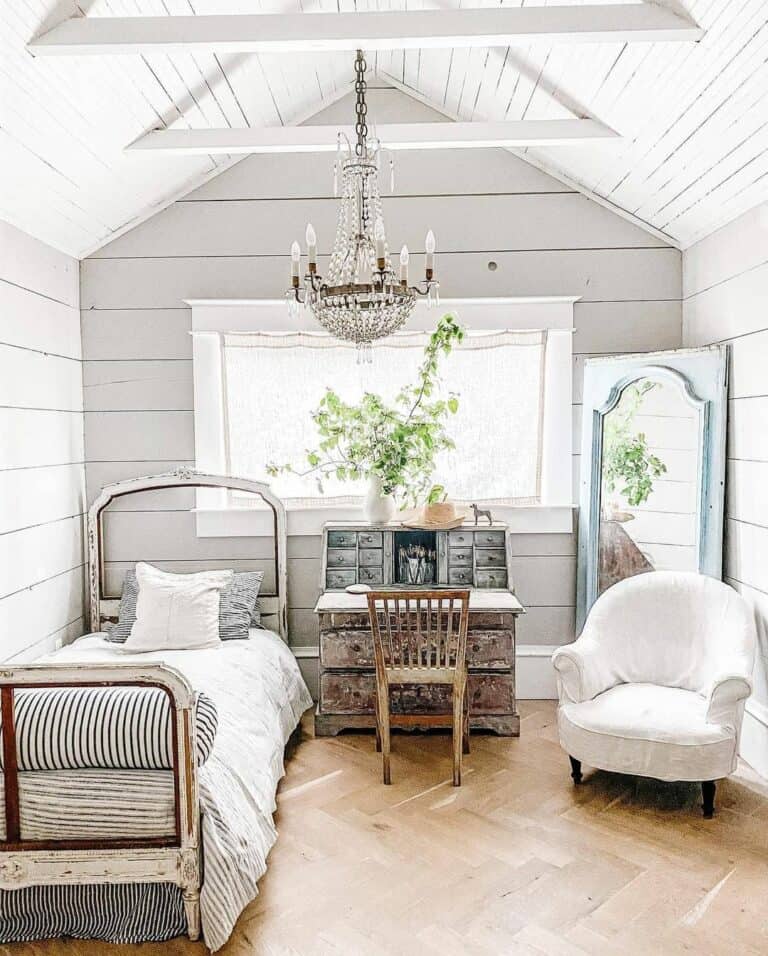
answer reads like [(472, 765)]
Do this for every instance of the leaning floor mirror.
[(653, 467)]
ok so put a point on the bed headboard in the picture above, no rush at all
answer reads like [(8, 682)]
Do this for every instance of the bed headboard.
[(104, 607)]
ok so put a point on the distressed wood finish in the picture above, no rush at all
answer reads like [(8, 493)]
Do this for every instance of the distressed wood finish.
[(353, 692), (174, 859), (104, 608), (420, 642), (347, 683)]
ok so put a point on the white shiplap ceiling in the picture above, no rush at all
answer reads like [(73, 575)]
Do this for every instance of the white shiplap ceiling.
[(693, 117)]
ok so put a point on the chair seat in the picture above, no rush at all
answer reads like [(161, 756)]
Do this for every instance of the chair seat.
[(648, 730)]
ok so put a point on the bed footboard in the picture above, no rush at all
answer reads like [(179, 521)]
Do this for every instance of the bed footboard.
[(174, 859)]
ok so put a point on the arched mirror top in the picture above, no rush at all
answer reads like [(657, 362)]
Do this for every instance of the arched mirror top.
[(659, 374)]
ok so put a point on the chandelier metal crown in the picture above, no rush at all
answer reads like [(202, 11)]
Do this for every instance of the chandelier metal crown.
[(362, 298)]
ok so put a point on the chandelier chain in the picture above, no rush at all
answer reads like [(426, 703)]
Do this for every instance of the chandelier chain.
[(361, 107)]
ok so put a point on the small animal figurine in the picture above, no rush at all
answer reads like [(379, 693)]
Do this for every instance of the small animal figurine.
[(482, 513)]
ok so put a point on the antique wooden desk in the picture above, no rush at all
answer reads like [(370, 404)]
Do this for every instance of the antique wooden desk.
[(467, 556)]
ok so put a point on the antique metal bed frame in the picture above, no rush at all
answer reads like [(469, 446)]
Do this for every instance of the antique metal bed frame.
[(175, 858)]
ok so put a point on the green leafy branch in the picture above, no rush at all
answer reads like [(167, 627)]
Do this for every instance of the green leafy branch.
[(396, 442), (628, 464)]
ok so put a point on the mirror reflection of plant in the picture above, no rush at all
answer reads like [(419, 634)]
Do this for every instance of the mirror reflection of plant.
[(628, 465), (397, 442)]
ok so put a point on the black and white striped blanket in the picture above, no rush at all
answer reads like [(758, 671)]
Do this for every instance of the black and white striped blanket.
[(122, 728), (259, 696)]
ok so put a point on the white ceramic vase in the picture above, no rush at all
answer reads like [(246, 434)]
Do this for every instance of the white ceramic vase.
[(379, 508)]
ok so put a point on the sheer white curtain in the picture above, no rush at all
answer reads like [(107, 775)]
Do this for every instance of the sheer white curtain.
[(274, 381)]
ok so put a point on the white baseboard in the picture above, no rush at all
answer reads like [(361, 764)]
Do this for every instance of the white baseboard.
[(535, 675), (534, 671), (754, 737)]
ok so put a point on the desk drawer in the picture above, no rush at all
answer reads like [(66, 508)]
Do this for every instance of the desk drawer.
[(355, 693), (461, 576), (460, 539), (342, 539), (459, 557), (341, 558), (491, 558), (338, 580), (489, 539), (492, 579), (371, 557), (369, 539), (353, 650), (371, 575)]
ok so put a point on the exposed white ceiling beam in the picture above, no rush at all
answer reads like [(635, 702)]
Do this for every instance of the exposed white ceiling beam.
[(387, 30), (323, 139)]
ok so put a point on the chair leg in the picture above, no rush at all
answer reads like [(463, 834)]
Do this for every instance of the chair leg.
[(708, 788), (575, 770), (457, 736), (383, 731), (465, 736), (378, 736)]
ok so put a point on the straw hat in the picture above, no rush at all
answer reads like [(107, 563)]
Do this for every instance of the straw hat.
[(434, 517)]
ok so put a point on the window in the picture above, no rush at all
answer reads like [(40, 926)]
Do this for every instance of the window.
[(256, 385), (273, 382)]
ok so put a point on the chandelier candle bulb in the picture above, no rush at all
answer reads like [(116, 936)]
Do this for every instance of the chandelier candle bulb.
[(404, 265), (379, 237), (429, 245), (312, 248), (295, 263)]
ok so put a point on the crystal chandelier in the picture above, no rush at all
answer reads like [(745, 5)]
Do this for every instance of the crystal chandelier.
[(362, 298)]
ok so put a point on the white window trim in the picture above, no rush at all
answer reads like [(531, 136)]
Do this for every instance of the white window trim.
[(213, 317)]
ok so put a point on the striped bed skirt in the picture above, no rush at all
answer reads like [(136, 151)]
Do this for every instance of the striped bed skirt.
[(111, 912)]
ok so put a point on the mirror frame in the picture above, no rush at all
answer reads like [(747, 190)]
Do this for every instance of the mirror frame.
[(702, 374)]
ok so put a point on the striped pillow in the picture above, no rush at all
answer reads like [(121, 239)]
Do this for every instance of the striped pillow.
[(238, 607), (118, 728)]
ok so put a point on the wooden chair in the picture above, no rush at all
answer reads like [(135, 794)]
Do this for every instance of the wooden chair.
[(420, 637)]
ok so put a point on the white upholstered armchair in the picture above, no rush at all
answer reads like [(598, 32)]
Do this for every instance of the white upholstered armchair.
[(655, 685)]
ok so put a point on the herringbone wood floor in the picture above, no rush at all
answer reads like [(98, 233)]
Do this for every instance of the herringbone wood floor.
[(517, 861)]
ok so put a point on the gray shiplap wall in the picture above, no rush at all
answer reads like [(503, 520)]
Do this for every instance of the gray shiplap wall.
[(725, 283), (231, 238), (41, 448)]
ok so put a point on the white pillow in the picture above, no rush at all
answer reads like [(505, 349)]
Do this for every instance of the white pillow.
[(176, 611)]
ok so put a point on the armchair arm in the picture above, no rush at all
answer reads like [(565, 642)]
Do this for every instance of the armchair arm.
[(725, 697), (582, 670)]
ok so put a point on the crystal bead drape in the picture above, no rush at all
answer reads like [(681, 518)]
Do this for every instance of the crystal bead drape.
[(361, 298)]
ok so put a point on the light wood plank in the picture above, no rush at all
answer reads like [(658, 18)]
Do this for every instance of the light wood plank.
[(139, 436), (38, 380), (30, 438), (403, 136), (284, 33), (494, 223), (32, 496), (137, 386), (30, 615), (36, 554), (33, 321), (616, 275)]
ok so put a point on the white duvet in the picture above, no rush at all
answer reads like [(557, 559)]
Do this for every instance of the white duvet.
[(260, 696)]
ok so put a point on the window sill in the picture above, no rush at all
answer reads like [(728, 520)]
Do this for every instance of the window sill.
[(249, 522)]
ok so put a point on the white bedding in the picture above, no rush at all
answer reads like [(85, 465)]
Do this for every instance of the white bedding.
[(260, 696)]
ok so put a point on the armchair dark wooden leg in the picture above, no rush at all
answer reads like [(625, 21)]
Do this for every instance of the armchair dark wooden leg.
[(575, 770), (708, 788)]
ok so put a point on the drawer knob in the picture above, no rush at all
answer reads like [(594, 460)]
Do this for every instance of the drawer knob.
[(475, 648), (356, 648)]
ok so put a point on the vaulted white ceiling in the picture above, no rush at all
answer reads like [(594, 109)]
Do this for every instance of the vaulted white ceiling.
[(692, 117)]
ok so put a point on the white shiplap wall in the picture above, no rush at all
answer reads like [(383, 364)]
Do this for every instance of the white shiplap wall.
[(41, 448), (231, 239), (725, 281)]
